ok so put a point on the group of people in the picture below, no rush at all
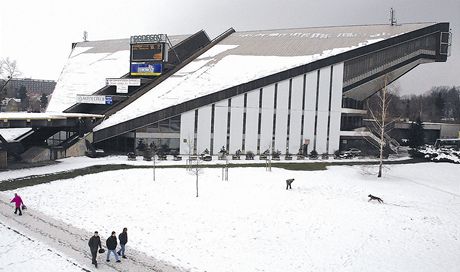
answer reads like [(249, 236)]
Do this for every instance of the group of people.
[(111, 243), (95, 241)]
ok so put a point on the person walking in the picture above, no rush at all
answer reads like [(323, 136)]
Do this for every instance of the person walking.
[(112, 246), (94, 243), (123, 237), (17, 202)]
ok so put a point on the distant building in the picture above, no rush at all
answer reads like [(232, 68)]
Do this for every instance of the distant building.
[(432, 131), (37, 86)]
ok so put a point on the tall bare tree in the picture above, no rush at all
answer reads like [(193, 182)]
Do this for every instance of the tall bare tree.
[(9, 68), (381, 120), (8, 71)]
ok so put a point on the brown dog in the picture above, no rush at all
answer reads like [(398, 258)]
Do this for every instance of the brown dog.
[(371, 197)]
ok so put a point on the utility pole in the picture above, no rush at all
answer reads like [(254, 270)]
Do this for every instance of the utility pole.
[(392, 17), (154, 163)]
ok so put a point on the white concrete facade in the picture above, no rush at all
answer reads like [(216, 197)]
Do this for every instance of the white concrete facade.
[(187, 123), (252, 121), (295, 126), (220, 125), (236, 123), (282, 106), (308, 109), (204, 129)]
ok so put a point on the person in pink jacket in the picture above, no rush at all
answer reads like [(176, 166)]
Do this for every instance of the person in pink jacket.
[(17, 202)]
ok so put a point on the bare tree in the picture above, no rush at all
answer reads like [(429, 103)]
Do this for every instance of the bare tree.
[(193, 162), (381, 121), (195, 169), (9, 68)]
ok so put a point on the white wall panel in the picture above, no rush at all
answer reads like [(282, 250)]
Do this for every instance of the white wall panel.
[(187, 123), (204, 129), (281, 116), (236, 123), (310, 104), (296, 114), (267, 117), (252, 121), (220, 125), (323, 109), (336, 105)]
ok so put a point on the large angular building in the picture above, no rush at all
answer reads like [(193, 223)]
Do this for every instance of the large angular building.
[(282, 89)]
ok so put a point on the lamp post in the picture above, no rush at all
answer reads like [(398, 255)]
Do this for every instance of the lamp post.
[(6, 83), (3, 87)]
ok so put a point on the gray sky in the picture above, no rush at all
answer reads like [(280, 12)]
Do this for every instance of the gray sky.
[(38, 33)]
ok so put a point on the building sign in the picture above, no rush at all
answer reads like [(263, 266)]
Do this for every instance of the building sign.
[(146, 68), (123, 83), (148, 53), (94, 99), (152, 38)]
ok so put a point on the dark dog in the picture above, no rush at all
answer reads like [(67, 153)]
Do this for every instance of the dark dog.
[(371, 197), (288, 183)]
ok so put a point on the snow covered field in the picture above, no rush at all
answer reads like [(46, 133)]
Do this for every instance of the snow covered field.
[(251, 223), (18, 253)]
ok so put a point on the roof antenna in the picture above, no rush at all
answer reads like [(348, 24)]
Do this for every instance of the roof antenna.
[(392, 17)]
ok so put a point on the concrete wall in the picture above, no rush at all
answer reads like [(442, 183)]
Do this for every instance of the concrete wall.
[(76, 150), (36, 154), (3, 159)]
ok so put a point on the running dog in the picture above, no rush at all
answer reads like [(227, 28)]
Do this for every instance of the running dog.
[(371, 197)]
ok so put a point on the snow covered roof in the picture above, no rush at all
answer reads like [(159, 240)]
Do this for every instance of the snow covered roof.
[(249, 55), (87, 68), (9, 134), (44, 115)]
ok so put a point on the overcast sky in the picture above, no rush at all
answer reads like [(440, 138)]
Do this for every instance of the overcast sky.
[(38, 33)]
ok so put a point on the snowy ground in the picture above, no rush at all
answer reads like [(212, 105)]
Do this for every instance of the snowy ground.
[(20, 253), (251, 223)]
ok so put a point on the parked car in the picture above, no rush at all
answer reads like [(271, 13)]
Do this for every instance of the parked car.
[(350, 153)]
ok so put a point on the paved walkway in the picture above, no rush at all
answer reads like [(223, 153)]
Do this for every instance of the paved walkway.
[(73, 242)]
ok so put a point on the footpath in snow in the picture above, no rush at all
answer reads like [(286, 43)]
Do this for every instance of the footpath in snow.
[(66, 241), (21, 253)]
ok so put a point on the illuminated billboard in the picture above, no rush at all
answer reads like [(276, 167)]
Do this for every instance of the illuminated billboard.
[(147, 52), (146, 68)]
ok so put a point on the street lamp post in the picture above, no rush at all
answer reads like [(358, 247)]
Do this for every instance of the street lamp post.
[(6, 83)]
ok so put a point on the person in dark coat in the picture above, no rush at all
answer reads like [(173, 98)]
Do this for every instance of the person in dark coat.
[(123, 237), (112, 246), (94, 243), (288, 183)]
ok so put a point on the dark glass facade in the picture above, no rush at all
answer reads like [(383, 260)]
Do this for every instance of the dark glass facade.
[(164, 134)]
